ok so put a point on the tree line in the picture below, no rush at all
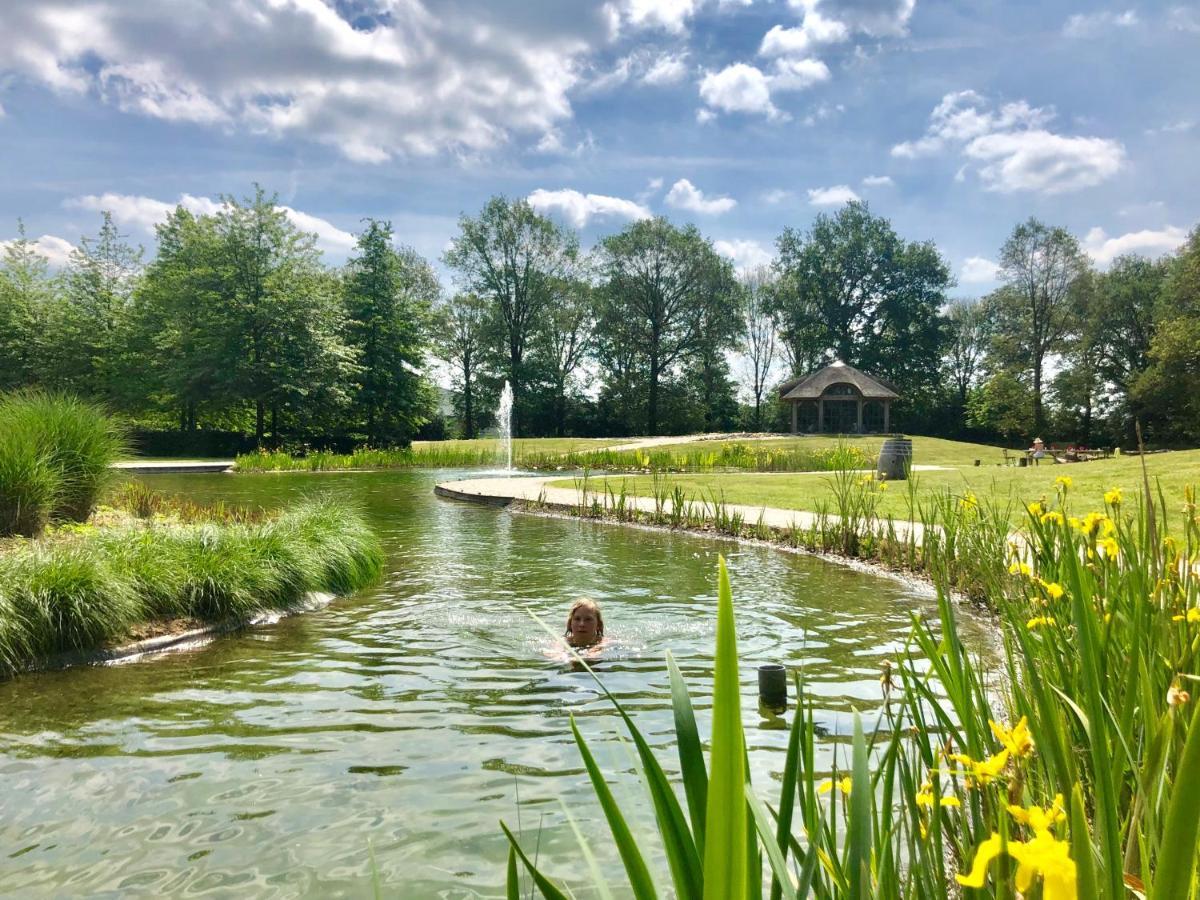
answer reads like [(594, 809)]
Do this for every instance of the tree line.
[(236, 324)]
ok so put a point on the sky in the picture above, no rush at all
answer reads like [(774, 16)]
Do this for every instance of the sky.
[(954, 120)]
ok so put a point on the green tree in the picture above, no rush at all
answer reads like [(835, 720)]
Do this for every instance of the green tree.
[(966, 348), (758, 333), (1001, 405), (462, 327), (389, 295), (26, 291), (1034, 312), (565, 340), (668, 299), (852, 289), (86, 325), (512, 257)]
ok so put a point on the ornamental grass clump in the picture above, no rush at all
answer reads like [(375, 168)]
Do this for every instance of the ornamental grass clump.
[(30, 484), (1072, 772)]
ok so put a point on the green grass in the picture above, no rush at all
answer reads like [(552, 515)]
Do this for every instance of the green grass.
[(56, 458), (997, 485), (80, 589)]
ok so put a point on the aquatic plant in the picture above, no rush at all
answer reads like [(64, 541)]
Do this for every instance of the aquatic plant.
[(81, 590), (1078, 775)]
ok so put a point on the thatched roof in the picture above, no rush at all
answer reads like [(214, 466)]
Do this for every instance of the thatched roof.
[(813, 385)]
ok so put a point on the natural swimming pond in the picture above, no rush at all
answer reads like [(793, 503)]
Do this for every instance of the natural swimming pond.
[(405, 721)]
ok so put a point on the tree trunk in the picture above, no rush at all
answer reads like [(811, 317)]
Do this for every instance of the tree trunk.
[(652, 404), (275, 424), (514, 365), (1039, 422), (468, 406), (260, 415)]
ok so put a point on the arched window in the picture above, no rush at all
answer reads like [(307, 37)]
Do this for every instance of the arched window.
[(841, 389)]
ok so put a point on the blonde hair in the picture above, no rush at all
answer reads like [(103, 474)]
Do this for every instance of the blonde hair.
[(586, 603)]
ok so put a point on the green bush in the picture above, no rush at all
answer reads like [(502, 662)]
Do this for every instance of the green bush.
[(74, 439)]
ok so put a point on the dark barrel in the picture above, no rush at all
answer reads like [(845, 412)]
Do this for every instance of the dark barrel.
[(772, 686), (895, 458)]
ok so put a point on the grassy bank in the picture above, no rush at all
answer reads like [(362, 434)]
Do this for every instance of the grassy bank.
[(1075, 776), (80, 587), (1006, 487)]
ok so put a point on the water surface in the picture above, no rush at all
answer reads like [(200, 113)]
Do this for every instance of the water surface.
[(407, 720)]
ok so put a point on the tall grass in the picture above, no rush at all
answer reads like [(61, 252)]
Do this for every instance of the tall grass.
[(1077, 775), (86, 590), (56, 455)]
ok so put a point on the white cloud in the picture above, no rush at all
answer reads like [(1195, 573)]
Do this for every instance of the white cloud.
[(670, 68), (579, 209), (686, 196), (1014, 150), (1044, 162), (1181, 18), (878, 181), (1104, 249), (739, 88), (777, 195), (798, 74), (56, 250), (877, 18), (669, 15), (419, 83), (1082, 25), (831, 196), (815, 29), (146, 212), (978, 270), (744, 254)]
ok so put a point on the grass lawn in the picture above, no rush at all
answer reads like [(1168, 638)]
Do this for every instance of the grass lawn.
[(1172, 471), (525, 445), (926, 450)]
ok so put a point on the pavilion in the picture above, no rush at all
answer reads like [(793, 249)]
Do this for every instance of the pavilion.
[(839, 399)]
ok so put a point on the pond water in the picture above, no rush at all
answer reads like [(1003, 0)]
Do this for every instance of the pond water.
[(404, 722)]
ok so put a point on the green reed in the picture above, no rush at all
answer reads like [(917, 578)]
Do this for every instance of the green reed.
[(1076, 774)]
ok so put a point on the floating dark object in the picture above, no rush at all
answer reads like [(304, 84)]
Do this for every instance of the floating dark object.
[(772, 687)]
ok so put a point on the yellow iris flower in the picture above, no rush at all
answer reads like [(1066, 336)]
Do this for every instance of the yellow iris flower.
[(1054, 516), (1113, 497), (1044, 855), (1040, 818), (1192, 617), (1039, 621), (1019, 568), (827, 785), (1016, 740), (1063, 481), (981, 772)]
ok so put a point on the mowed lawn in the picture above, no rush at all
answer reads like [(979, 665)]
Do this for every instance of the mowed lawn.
[(806, 491), (926, 450), (525, 445)]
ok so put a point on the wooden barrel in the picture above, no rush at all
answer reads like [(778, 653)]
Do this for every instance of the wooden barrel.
[(895, 458)]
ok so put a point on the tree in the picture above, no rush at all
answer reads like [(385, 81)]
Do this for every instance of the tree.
[(512, 257), (389, 295), (967, 328), (26, 290), (462, 325), (86, 323), (668, 297), (1001, 405), (279, 316), (1034, 311), (852, 289), (758, 330), (566, 338)]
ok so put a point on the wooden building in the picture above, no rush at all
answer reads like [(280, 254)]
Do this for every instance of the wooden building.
[(839, 399)]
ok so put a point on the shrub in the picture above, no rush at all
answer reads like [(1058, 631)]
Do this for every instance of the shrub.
[(30, 484)]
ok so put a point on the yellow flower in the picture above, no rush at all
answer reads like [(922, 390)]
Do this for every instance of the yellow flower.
[(1113, 497), (1054, 516), (1044, 855), (1095, 521), (969, 502), (1035, 509), (926, 798), (1038, 818), (1016, 740), (1020, 568), (1052, 588), (1063, 481), (1039, 621), (883, 486), (1109, 546), (1192, 617), (827, 785), (981, 772)]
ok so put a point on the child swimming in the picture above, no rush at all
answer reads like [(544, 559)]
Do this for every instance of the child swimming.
[(585, 624)]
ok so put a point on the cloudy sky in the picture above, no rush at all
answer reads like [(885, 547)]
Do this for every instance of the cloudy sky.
[(953, 119)]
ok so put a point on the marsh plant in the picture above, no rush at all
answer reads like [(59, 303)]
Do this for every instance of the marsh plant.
[(1075, 775)]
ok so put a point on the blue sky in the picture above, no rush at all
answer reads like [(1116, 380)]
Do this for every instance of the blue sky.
[(954, 120)]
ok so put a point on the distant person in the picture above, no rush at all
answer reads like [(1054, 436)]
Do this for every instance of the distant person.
[(1038, 450), (585, 624)]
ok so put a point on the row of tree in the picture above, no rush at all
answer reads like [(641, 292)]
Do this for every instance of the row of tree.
[(237, 324)]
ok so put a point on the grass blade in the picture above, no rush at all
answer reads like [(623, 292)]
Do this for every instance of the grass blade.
[(544, 884), (858, 855), (691, 757), (1177, 858), (766, 829), (725, 860)]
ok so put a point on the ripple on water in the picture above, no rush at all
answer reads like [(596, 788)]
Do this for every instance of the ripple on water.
[(407, 720)]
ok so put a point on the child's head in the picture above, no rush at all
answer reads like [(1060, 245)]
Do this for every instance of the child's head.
[(585, 624)]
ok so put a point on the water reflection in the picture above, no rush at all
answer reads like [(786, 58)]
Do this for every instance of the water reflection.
[(412, 716)]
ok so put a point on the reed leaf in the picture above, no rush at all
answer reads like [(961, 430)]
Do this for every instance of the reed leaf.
[(691, 756)]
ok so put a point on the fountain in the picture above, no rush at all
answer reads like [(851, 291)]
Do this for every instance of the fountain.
[(504, 420)]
